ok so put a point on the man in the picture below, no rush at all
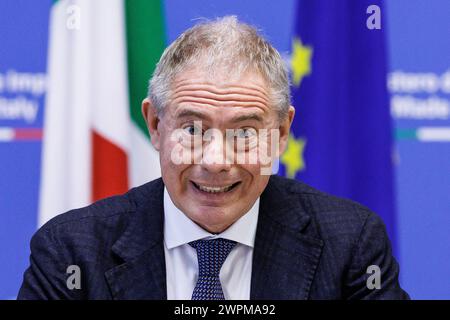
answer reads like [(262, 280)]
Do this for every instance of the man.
[(217, 225)]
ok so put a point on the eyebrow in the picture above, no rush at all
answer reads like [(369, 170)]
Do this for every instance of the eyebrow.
[(191, 113), (246, 117)]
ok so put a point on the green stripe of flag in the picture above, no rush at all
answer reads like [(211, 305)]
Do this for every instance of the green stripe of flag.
[(405, 134), (424, 134), (145, 44)]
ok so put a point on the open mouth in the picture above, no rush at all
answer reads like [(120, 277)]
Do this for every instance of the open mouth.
[(215, 189)]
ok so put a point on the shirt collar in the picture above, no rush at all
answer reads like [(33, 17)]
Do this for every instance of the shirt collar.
[(179, 229)]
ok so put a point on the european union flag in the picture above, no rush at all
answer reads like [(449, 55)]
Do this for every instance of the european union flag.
[(341, 136)]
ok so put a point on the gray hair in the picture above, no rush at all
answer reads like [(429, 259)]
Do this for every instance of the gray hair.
[(223, 44)]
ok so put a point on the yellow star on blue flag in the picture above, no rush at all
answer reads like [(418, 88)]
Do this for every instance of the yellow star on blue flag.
[(293, 158), (300, 61)]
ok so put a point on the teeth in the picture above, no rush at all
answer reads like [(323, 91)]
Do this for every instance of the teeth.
[(214, 189)]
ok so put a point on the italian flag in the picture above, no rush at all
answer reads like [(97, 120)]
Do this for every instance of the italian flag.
[(101, 55)]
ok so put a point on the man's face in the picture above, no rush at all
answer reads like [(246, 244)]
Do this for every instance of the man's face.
[(213, 188)]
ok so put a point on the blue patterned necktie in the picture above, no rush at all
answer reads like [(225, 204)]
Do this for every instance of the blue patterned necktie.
[(211, 255)]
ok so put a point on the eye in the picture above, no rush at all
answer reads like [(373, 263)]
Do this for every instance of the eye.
[(192, 130), (245, 133)]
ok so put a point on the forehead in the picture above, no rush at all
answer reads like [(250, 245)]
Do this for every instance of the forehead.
[(222, 75), (220, 94)]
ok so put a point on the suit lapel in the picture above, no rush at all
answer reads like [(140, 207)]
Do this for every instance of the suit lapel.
[(142, 273), (284, 258)]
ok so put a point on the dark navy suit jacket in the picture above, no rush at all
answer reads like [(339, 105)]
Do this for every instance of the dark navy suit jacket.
[(309, 245)]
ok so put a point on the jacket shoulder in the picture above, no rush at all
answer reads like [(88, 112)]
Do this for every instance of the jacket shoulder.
[(111, 208), (318, 200), (332, 215)]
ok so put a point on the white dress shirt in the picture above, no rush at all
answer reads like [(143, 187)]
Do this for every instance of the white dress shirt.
[(181, 258)]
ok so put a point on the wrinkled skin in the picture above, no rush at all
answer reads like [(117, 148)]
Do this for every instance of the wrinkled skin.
[(225, 104)]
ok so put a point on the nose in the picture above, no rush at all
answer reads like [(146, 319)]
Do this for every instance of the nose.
[(214, 154)]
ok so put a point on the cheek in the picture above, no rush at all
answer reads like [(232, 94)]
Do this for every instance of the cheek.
[(168, 143), (264, 156), (260, 184), (252, 178), (254, 181), (172, 166), (252, 171)]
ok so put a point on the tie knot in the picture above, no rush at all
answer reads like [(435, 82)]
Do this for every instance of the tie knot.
[(211, 254)]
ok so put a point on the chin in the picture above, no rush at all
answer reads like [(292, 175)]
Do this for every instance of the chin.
[(210, 218)]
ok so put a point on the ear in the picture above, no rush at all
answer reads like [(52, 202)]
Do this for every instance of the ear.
[(285, 127), (150, 114)]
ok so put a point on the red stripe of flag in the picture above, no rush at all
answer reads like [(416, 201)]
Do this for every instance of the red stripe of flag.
[(28, 134), (110, 168)]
